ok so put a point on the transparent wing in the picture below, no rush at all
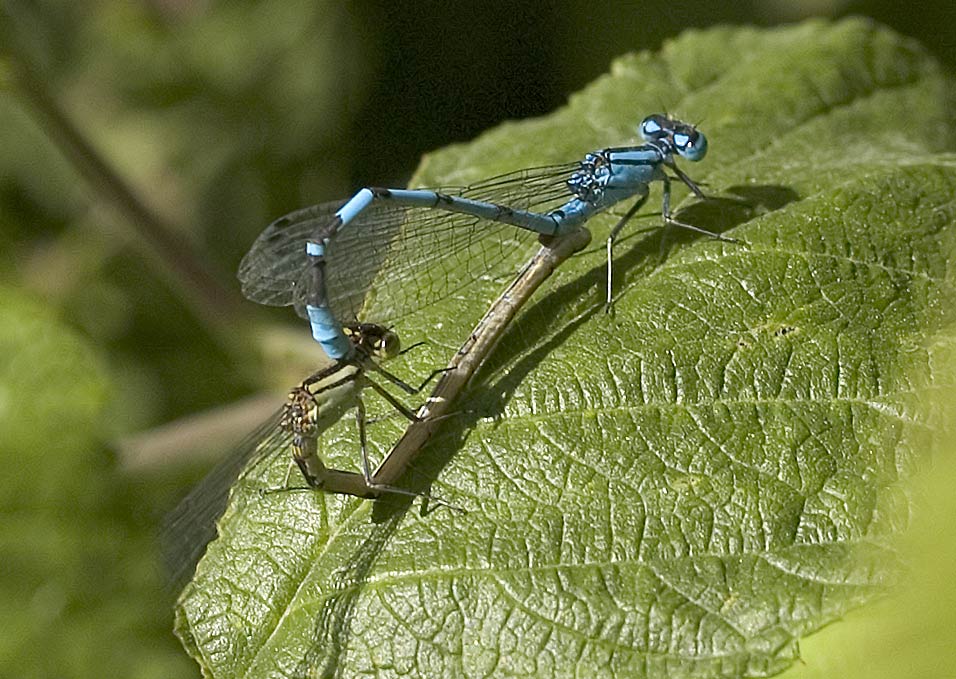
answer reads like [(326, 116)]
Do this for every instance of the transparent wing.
[(415, 256), (270, 271), (191, 525)]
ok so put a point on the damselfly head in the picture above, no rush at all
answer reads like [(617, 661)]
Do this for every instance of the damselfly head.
[(375, 340), (684, 138), (387, 345)]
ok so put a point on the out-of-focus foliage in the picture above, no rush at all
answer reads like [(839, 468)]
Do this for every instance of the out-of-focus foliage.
[(79, 591), (219, 117)]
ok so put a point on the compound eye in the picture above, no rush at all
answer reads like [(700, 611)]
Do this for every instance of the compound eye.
[(693, 147), (652, 127), (389, 345)]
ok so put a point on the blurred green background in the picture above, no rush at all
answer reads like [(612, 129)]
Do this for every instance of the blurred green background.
[(144, 146)]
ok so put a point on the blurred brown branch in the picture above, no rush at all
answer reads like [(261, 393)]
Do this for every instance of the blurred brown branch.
[(172, 255)]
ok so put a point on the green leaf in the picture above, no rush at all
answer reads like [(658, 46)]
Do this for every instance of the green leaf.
[(686, 487), (908, 634)]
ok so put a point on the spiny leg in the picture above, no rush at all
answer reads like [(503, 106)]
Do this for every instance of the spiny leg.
[(666, 207), (691, 184), (360, 423), (610, 244), (366, 468), (402, 384), (394, 402)]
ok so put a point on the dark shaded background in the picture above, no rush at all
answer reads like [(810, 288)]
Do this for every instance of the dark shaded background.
[(146, 144)]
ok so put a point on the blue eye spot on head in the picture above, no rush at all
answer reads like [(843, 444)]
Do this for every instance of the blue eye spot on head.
[(693, 147), (652, 127)]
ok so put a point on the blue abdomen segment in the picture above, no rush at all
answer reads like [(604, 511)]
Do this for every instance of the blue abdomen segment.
[(533, 221), (328, 332), (426, 198), (355, 205)]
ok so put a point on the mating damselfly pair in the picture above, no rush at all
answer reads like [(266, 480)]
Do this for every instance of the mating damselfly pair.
[(334, 261)]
